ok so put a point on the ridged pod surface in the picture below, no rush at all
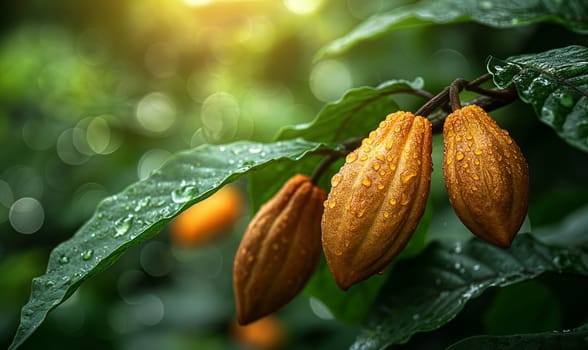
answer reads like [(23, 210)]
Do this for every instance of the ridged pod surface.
[(279, 250), (486, 175), (377, 198)]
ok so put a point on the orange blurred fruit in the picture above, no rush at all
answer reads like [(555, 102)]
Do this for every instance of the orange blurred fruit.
[(208, 218), (267, 333)]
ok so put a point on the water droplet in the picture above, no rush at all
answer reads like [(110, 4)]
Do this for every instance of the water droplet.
[(449, 160), (407, 176), (477, 161), (459, 156), (366, 148), (366, 182), (404, 200), (184, 193), (332, 204), (457, 138), (380, 157), (476, 267), (476, 177), (478, 152), (254, 150), (392, 201), (380, 187), (389, 144), (336, 179), (508, 141), (392, 167), (363, 157), (351, 157), (469, 137), (383, 124), (142, 203), (386, 214), (458, 248), (87, 255), (63, 260), (123, 225), (360, 213), (49, 284), (397, 128), (376, 166), (465, 165)]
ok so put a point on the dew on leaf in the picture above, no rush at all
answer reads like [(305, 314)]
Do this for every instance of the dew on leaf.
[(63, 260), (123, 225), (254, 150), (184, 193), (87, 255), (142, 203)]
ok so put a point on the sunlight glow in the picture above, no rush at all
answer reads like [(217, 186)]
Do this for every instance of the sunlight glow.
[(303, 7), (198, 2)]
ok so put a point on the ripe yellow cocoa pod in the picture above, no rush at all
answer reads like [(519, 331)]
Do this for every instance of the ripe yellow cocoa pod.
[(279, 250), (486, 175), (377, 198)]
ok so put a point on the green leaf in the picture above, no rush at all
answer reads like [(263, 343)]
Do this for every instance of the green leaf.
[(427, 292), (555, 83), (572, 14), (140, 211), (576, 338), (536, 307), (359, 111)]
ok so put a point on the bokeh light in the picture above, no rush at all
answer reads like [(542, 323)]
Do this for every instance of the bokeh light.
[(26, 215), (303, 7), (329, 79), (156, 112), (220, 116)]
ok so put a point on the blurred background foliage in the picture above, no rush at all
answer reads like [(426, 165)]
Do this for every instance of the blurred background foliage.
[(95, 95)]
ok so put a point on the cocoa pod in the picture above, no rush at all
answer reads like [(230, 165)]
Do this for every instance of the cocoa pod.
[(377, 198), (486, 175), (279, 250)]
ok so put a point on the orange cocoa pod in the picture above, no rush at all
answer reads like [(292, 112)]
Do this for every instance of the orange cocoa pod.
[(279, 250), (208, 218), (377, 198), (486, 175)]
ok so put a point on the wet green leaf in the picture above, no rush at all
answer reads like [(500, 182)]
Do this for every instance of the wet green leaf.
[(576, 338), (572, 14), (140, 211), (354, 115), (555, 83), (438, 283)]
